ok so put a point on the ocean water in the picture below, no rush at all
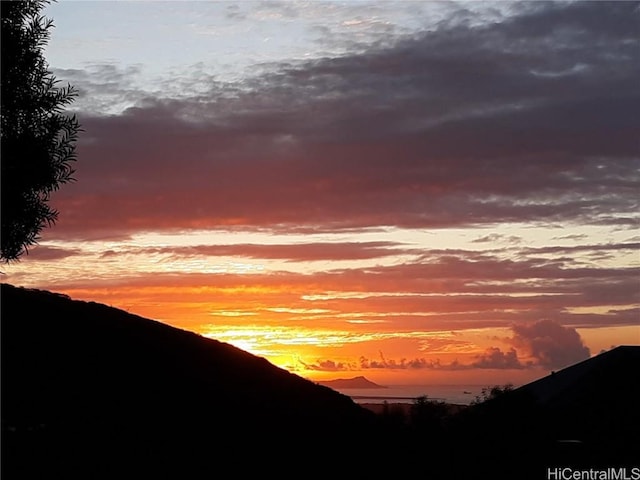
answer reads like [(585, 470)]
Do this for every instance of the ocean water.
[(458, 394)]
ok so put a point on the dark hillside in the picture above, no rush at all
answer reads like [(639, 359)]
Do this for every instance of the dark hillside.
[(594, 405), (89, 391), (92, 392), (585, 416)]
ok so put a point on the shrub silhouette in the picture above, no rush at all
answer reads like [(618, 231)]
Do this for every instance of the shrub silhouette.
[(38, 139), (429, 416), (393, 415), (492, 393)]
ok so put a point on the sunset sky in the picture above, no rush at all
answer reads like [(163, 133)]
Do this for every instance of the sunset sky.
[(416, 192)]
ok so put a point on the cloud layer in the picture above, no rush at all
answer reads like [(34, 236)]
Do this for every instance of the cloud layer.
[(544, 343), (533, 118), (470, 176)]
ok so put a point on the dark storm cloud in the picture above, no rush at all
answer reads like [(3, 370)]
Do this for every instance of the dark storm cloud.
[(533, 118)]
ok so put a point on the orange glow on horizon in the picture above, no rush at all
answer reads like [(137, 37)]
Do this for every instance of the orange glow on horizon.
[(434, 316)]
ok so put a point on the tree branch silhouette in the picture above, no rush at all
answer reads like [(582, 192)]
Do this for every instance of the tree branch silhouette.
[(38, 138)]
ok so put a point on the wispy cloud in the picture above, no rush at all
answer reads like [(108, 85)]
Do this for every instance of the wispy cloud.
[(430, 290), (298, 252), (49, 253)]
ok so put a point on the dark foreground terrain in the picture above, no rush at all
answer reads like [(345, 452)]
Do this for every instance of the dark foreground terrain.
[(93, 392)]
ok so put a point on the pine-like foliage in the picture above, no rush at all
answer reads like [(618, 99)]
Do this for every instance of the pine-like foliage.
[(38, 138)]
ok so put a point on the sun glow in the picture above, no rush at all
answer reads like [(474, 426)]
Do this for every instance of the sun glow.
[(449, 305)]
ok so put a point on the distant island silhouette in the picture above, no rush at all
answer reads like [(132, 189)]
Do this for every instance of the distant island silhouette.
[(354, 382)]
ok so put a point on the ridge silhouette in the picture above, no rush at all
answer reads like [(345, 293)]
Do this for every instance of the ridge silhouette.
[(93, 392), (90, 391)]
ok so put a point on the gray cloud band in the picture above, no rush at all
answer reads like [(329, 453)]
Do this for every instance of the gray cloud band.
[(530, 119)]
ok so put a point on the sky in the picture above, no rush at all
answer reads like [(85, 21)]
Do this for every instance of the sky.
[(417, 192)]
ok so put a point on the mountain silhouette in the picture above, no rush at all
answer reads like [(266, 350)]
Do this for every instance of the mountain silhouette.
[(93, 392), (90, 391)]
